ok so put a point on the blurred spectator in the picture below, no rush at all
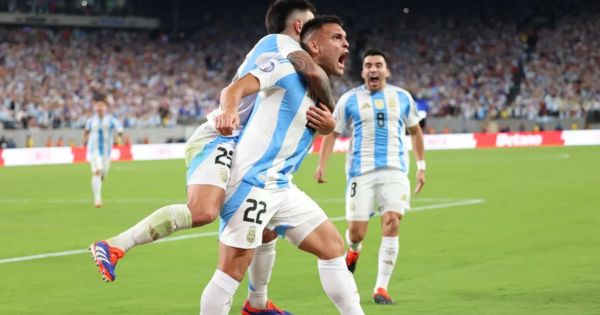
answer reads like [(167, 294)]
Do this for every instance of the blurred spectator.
[(28, 141)]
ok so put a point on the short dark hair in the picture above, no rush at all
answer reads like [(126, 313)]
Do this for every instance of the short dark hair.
[(280, 10), (374, 52), (100, 97), (317, 23)]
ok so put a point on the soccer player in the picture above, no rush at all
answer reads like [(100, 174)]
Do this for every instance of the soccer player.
[(271, 147), (209, 156), (378, 114), (99, 137)]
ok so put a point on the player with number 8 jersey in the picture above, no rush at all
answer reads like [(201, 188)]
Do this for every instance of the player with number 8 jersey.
[(379, 115)]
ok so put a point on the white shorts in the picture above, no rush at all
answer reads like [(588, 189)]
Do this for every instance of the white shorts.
[(208, 157), (389, 187), (249, 209), (100, 164)]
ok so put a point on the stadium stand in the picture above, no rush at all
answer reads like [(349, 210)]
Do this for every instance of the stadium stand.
[(493, 65)]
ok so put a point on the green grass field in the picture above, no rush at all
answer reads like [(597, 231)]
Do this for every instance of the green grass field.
[(499, 231)]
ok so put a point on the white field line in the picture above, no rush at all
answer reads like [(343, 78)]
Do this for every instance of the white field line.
[(457, 203)]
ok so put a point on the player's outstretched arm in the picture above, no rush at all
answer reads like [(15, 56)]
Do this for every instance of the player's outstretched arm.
[(228, 120), (318, 80), (416, 136), (324, 154)]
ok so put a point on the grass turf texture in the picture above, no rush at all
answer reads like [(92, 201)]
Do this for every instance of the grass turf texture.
[(530, 248)]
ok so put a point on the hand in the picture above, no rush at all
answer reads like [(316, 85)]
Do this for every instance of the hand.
[(227, 122), (320, 118), (320, 175), (420, 181)]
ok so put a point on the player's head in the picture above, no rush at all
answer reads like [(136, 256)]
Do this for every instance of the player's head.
[(289, 16), (100, 103), (324, 39), (374, 69)]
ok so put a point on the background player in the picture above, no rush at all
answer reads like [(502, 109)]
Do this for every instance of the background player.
[(99, 138), (378, 114)]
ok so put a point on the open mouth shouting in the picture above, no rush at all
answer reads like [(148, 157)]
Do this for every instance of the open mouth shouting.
[(374, 79), (342, 59)]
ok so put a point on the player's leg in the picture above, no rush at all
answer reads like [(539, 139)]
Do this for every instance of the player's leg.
[(393, 194), (208, 158), (205, 194), (260, 270), (204, 203), (206, 191), (355, 234), (217, 296), (96, 165), (360, 195), (326, 243), (244, 217), (310, 230)]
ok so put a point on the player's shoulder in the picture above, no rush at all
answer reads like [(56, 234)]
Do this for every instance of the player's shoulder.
[(273, 41), (276, 63), (352, 92), (267, 38), (399, 90)]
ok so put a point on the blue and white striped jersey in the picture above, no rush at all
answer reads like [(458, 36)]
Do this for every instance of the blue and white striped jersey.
[(270, 46), (101, 138), (275, 139), (378, 121)]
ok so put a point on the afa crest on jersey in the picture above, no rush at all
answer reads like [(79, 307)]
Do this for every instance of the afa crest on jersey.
[(251, 236)]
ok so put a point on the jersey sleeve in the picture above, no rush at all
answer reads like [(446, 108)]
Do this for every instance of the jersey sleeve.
[(270, 71), (339, 114), (287, 45), (88, 124), (411, 118)]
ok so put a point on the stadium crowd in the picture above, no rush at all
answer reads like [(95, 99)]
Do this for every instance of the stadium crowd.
[(453, 66), (563, 73)]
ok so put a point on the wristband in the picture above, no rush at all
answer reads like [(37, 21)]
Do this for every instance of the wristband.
[(421, 165)]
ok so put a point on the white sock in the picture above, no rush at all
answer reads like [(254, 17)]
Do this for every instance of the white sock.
[(97, 188), (388, 253), (355, 247), (259, 274), (160, 223), (340, 286), (217, 297)]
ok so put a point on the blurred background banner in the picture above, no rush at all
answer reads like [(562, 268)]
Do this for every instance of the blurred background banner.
[(141, 152)]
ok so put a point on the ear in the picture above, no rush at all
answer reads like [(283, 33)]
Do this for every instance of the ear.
[(313, 47), (297, 26)]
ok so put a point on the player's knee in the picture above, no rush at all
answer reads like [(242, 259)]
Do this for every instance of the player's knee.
[(335, 246), (357, 235), (203, 213), (268, 236), (236, 272), (391, 222)]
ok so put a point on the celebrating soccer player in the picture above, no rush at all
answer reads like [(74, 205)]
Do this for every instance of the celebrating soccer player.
[(378, 114)]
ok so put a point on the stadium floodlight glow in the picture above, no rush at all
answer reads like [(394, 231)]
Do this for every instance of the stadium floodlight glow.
[(84, 3)]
